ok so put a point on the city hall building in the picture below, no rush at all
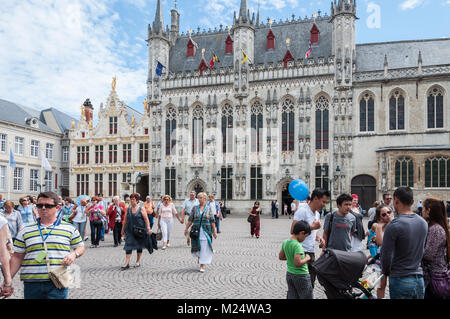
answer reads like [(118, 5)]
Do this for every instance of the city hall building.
[(241, 111)]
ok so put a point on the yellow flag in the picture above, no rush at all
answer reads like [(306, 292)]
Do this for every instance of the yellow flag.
[(245, 57)]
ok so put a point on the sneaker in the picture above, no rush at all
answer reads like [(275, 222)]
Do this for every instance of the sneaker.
[(202, 269), (164, 247), (168, 245), (125, 267), (86, 238)]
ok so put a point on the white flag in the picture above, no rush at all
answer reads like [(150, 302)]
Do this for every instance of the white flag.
[(46, 165)]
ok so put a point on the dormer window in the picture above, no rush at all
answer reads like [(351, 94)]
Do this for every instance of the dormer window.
[(315, 34), (270, 40), (190, 49), (202, 67), (229, 45), (287, 57)]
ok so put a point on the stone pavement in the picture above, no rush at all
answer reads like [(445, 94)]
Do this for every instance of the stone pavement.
[(242, 267)]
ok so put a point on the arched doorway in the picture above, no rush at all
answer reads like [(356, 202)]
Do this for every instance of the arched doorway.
[(365, 186), (142, 187), (284, 197), (197, 185), (198, 188)]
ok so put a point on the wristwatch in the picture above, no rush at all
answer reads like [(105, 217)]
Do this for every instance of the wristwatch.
[(77, 254)]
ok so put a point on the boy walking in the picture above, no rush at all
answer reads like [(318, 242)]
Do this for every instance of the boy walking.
[(297, 275)]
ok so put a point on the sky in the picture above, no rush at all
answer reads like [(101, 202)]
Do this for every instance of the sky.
[(58, 53)]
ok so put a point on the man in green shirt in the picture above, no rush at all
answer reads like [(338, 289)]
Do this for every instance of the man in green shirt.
[(297, 275)]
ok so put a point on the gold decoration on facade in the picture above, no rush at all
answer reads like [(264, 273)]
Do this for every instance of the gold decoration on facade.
[(114, 83), (133, 121), (146, 105), (73, 124)]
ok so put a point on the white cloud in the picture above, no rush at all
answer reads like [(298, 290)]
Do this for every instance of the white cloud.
[(411, 4), (60, 52)]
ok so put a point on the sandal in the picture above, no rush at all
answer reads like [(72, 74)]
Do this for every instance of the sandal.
[(137, 265), (125, 267)]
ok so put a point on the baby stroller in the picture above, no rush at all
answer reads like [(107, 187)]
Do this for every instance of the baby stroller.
[(339, 272)]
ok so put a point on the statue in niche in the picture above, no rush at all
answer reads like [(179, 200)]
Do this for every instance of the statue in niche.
[(336, 145), (350, 145), (308, 147), (301, 145), (342, 148)]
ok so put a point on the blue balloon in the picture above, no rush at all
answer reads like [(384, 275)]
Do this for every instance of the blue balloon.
[(298, 190)]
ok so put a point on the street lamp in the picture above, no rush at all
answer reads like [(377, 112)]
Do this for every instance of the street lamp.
[(39, 185), (136, 181), (331, 181), (219, 175)]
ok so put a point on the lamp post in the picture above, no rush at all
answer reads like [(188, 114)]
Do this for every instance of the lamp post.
[(219, 175), (330, 182), (136, 181)]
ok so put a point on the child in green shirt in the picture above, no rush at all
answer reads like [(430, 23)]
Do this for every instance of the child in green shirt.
[(297, 275)]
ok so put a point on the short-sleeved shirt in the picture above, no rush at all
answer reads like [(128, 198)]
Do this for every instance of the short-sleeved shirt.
[(27, 214), (341, 230), (291, 248), (188, 204), (80, 217), (29, 242), (3, 221), (14, 222), (167, 212), (305, 213)]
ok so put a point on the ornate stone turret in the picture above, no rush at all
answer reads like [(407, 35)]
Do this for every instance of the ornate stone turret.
[(158, 51), (343, 17), (87, 110)]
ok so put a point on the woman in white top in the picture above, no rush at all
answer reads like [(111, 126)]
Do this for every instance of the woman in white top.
[(165, 219), (383, 216)]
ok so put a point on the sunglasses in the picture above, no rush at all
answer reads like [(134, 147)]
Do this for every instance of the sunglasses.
[(46, 205), (385, 214)]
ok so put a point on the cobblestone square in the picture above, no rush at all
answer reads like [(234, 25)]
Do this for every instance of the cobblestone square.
[(242, 267)]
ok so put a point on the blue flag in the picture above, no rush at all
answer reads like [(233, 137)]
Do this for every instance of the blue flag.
[(12, 162), (159, 69)]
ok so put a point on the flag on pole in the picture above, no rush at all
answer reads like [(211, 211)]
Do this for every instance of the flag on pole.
[(308, 53), (46, 165), (159, 68), (245, 57), (214, 59), (12, 162)]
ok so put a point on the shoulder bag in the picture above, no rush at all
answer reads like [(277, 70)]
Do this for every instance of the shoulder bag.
[(195, 232), (440, 282), (138, 232), (61, 276)]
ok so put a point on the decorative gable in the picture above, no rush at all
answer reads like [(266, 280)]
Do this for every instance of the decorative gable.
[(287, 57), (202, 66), (190, 49)]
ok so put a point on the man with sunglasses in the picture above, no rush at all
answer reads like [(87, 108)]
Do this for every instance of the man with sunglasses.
[(402, 250), (48, 239), (387, 200)]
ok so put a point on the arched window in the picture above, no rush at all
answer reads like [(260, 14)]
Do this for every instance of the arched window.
[(322, 123), (404, 172), (270, 41), (397, 111), (435, 109), (190, 49), (287, 125), (437, 172), (197, 130), (229, 45), (366, 113), (315, 34), (171, 125), (227, 129), (256, 123)]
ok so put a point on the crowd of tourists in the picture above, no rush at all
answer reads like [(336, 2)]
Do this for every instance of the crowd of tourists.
[(413, 250), (41, 234)]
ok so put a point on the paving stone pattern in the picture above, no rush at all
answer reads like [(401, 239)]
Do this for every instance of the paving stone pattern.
[(242, 267)]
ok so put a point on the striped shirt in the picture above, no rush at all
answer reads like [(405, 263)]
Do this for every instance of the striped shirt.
[(29, 242)]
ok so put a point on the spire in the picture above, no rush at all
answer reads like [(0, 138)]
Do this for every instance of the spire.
[(158, 24), (257, 16), (243, 12)]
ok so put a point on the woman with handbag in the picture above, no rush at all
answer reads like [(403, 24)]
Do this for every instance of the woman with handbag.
[(79, 217), (254, 219), (96, 217), (135, 228), (203, 229), (435, 261), (165, 219), (116, 213)]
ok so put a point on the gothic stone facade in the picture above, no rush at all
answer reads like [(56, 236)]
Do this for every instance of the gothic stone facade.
[(364, 118)]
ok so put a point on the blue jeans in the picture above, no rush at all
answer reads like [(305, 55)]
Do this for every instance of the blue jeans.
[(409, 287), (43, 290), (80, 227), (218, 224), (102, 232), (150, 219)]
